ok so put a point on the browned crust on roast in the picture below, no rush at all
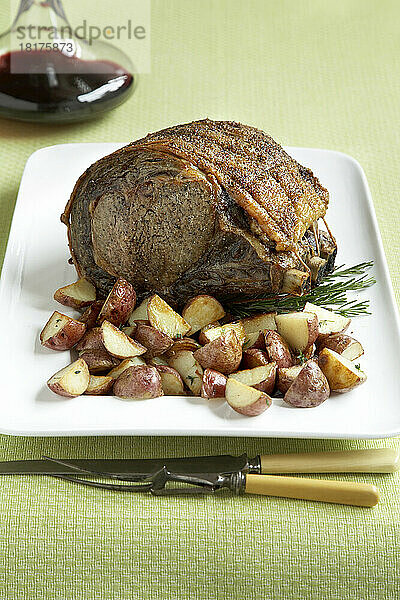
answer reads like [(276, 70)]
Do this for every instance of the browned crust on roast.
[(261, 203), (255, 170)]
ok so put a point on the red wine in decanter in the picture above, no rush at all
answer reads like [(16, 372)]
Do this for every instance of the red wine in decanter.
[(52, 87)]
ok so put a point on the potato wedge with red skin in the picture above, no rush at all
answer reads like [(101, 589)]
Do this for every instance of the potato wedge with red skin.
[(76, 295), (253, 326), (255, 341), (189, 369), (186, 343), (277, 349), (119, 303), (343, 344), (92, 340), (209, 334), (139, 313), (154, 340), (163, 317), (61, 332), (201, 311), (246, 400), (223, 354), (309, 352), (140, 383), (254, 358), (328, 321), (129, 330), (261, 378), (91, 314), (99, 360), (300, 358), (157, 361), (286, 376), (171, 381), (202, 338), (298, 329), (214, 384), (118, 344), (142, 321), (136, 361), (341, 373), (71, 381), (309, 389), (99, 385)]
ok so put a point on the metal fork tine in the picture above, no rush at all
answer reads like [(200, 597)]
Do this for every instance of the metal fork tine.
[(104, 474), (146, 487), (155, 483)]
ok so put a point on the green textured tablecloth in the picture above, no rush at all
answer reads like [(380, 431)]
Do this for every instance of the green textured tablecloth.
[(311, 73)]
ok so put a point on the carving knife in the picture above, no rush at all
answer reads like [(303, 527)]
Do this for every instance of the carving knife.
[(374, 460)]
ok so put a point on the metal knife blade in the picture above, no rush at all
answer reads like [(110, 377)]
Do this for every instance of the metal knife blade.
[(200, 464)]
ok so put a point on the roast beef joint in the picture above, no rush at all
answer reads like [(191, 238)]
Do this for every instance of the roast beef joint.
[(211, 207)]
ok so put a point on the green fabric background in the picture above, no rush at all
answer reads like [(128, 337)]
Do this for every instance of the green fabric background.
[(311, 73)]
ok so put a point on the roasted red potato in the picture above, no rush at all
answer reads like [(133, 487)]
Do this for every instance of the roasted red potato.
[(119, 303), (99, 385), (92, 340), (342, 344), (210, 333), (99, 361), (61, 332), (186, 343), (72, 381), (328, 321), (163, 317), (171, 381), (286, 376), (189, 369), (254, 358), (255, 341), (139, 383), (255, 325), (310, 388), (157, 361), (277, 349), (246, 400), (214, 384), (154, 340), (223, 354), (298, 329), (91, 314), (201, 311), (135, 361), (261, 378), (129, 330), (77, 295), (139, 313), (202, 338), (342, 374), (118, 344)]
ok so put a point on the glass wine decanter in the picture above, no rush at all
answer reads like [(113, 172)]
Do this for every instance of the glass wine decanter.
[(48, 74)]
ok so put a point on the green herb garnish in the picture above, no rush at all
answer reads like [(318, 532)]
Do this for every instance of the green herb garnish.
[(301, 358), (331, 294), (358, 366)]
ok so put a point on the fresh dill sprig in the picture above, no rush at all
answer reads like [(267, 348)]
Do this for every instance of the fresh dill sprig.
[(331, 294)]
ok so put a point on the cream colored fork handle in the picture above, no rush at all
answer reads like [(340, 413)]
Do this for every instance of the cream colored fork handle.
[(339, 492), (374, 460)]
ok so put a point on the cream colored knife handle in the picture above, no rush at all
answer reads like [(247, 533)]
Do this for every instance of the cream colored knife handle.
[(374, 460), (339, 492)]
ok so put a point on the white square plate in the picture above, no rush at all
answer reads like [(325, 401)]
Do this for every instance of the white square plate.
[(36, 265)]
